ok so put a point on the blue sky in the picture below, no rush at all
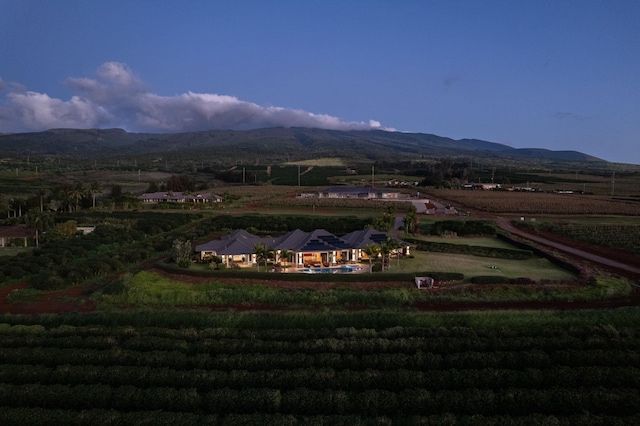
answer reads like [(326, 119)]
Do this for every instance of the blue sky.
[(562, 75)]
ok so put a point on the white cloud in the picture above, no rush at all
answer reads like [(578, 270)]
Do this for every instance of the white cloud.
[(119, 98)]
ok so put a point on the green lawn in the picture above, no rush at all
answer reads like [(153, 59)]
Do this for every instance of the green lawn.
[(12, 251), (535, 268)]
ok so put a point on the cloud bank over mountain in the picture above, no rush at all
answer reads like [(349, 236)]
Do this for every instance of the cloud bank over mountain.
[(117, 97)]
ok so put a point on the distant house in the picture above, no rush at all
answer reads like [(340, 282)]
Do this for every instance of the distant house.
[(16, 232), (179, 197), (430, 208), (357, 192), (483, 186), (316, 248)]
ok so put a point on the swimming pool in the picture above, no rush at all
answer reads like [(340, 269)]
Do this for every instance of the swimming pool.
[(339, 270)]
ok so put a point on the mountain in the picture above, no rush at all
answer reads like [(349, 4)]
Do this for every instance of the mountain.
[(272, 143)]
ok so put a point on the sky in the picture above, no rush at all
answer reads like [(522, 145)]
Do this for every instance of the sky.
[(561, 75)]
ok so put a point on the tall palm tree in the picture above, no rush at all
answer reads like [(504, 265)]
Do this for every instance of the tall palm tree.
[(41, 193), (371, 250), (94, 189), (285, 254), (76, 193), (39, 221), (410, 221), (260, 251), (393, 245)]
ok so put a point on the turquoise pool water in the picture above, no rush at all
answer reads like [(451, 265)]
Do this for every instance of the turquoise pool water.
[(338, 270)]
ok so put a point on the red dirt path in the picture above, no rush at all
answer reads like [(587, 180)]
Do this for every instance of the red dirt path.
[(74, 299)]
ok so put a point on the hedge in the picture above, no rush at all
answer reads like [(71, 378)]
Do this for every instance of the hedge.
[(366, 277), (495, 252)]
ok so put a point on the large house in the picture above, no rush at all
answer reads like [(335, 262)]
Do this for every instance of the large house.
[(179, 197), (299, 248)]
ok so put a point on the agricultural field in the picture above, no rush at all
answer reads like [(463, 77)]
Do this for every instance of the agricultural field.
[(537, 203), (626, 237), (194, 346), (321, 368)]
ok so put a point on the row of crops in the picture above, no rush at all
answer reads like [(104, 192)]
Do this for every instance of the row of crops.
[(106, 371), (626, 237)]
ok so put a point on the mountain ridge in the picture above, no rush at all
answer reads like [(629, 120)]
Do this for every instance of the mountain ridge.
[(295, 142)]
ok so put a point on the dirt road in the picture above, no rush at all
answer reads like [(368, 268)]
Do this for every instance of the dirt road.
[(627, 267)]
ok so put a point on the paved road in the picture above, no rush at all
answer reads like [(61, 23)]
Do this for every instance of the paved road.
[(507, 226)]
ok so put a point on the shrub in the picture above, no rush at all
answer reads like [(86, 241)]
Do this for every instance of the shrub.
[(490, 279)]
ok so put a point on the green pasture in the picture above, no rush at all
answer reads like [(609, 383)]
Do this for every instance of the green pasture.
[(319, 162), (535, 268)]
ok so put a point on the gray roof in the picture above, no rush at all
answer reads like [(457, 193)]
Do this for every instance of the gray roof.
[(320, 240), (364, 237)]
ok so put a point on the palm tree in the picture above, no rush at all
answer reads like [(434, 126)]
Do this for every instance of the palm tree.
[(260, 251), (5, 205), (39, 221), (94, 189), (371, 250), (393, 245), (76, 193), (385, 250), (285, 254), (410, 221), (41, 193)]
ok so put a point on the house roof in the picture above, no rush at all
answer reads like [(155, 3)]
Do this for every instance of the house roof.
[(16, 231), (364, 237), (319, 240)]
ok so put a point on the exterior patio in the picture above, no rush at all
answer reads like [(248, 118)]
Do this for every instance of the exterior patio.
[(298, 249)]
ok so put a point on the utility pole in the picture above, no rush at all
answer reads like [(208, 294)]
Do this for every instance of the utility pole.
[(613, 184), (372, 177)]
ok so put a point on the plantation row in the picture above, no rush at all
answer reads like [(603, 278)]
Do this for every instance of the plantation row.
[(337, 203), (538, 203), (626, 237), (350, 345), (356, 368), (323, 378), (96, 417), (256, 361), (304, 401)]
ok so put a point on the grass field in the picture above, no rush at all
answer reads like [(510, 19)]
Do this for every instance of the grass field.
[(12, 251), (470, 266)]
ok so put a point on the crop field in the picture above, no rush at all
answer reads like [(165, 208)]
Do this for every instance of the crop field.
[(534, 203), (622, 184), (303, 369), (617, 236)]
